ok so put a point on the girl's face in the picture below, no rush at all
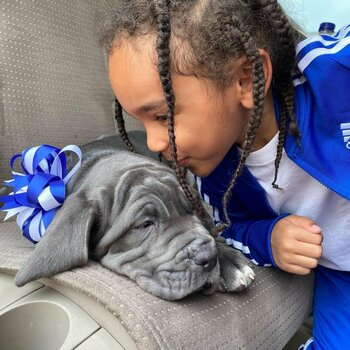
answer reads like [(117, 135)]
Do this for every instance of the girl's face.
[(208, 121)]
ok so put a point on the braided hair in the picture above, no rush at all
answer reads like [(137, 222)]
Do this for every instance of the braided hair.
[(162, 11), (282, 76), (208, 36)]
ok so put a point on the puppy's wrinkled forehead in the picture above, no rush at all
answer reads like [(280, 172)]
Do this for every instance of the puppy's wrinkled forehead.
[(153, 186)]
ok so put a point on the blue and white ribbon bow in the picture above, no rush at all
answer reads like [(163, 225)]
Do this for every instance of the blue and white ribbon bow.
[(40, 191)]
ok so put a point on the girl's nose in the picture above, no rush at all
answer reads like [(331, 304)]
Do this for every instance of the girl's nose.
[(157, 139)]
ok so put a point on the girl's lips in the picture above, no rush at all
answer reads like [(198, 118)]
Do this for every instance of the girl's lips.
[(182, 162)]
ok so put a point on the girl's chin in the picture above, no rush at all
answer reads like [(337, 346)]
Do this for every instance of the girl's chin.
[(198, 171)]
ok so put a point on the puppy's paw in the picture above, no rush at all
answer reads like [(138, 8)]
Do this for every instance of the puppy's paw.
[(236, 273)]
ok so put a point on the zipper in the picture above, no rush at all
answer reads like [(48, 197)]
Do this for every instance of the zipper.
[(299, 162)]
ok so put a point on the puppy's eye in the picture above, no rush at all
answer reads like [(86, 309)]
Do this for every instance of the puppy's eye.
[(145, 224)]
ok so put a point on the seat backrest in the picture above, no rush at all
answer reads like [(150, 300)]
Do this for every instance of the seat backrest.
[(54, 85)]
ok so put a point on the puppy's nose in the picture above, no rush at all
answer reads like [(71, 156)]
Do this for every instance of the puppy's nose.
[(206, 259)]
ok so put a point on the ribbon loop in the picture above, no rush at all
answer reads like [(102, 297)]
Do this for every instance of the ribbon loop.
[(40, 191)]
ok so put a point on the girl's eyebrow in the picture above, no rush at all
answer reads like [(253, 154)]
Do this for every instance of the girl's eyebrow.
[(150, 106)]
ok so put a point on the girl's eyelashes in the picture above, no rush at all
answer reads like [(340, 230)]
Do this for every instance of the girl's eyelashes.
[(161, 117)]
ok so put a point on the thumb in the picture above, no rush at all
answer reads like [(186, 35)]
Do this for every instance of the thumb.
[(315, 228), (304, 222)]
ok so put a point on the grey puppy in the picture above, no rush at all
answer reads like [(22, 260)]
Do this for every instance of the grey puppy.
[(128, 212)]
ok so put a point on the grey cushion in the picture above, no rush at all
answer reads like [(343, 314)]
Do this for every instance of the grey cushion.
[(54, 89), (263, 317)]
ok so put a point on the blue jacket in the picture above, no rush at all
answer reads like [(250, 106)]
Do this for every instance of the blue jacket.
[(322, 91)]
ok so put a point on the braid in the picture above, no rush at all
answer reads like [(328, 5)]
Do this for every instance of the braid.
[(239, 30), (281, 138), (121, 126), (285, 62), (162, 9), (284, 65), (280, 21)]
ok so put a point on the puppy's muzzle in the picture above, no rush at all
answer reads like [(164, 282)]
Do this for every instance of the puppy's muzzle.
[(206, 257), (203, 254)]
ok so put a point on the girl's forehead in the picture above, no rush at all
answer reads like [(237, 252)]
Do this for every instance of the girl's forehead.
[(133, 59), (133, 73), (143, 46)]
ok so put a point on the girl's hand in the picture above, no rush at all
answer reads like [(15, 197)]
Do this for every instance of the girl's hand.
[(296, 243)]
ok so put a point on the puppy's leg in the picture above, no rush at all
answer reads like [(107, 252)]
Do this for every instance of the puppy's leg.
[(236, 272)]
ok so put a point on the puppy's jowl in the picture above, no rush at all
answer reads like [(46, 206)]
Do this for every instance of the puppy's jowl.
[(128, 212)]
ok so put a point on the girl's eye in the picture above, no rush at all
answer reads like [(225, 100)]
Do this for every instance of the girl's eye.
[(161, 117)]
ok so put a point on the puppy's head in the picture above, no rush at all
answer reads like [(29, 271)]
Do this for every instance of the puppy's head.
[(132, 216)]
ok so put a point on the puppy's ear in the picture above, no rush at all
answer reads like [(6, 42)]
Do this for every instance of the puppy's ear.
[(65, 243)]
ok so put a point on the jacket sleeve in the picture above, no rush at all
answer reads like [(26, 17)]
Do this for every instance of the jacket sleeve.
[(253, 238), (251, 215)]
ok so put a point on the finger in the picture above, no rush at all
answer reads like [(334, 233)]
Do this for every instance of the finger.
[(295, 269), (315, 228), (304, 222), (308, 250), (305, 236), (298, 270), (304, 261)]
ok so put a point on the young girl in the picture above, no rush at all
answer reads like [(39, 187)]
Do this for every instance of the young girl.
[(212, 83)]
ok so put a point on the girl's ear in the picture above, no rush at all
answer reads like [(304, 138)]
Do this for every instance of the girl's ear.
[(245, 78)]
